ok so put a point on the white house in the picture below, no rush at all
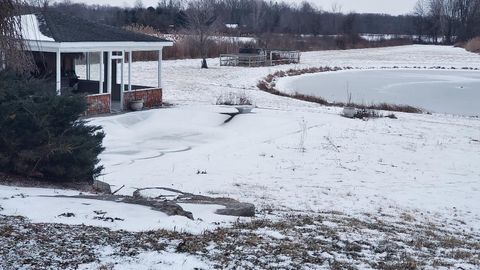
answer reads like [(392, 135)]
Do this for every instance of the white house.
[(58, 40)]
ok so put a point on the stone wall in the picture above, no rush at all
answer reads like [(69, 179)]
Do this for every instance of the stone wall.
[(98, 104), (152, 97)]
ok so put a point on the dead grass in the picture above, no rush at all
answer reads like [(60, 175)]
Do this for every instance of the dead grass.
[(185, 46), (232, 99), (473, 45), (331, 240), (6, 231)]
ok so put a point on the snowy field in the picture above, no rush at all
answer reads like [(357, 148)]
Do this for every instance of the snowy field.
[(288, 157), (441, 91), (348, 165)]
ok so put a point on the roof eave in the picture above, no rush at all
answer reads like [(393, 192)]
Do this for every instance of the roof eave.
[(50, 46)]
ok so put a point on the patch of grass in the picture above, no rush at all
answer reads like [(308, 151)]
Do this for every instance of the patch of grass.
[(313, 99), (6, 231), (473, 45), (308, 240)]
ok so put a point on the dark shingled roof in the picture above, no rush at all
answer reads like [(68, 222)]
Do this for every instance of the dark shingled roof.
[(65, 28)]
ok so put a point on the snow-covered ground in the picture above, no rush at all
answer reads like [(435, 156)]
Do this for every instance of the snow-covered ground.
[(42, 206), (415, 163), (288, 156)]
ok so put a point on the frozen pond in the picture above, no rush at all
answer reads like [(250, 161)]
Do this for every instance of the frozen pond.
[(442, 91)]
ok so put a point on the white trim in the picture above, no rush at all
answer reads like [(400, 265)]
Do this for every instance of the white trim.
[(87, 56), (98, 95), (109, 72), (49, 46), (122, 81), (148, 89), (101, 73), (160, 54), (130, 71), (58, 72)]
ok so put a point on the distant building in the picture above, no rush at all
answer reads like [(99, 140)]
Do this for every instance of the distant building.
[(231, 26)]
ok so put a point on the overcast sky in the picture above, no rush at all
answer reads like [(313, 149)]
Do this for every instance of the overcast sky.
[(373, 6)]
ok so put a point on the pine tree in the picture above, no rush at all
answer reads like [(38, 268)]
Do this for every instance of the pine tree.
[(41, 134)]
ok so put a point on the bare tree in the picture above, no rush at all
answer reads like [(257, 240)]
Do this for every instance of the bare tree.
[(436, 17), (257, 16), (469, 18), (138, 4), (336, 10), (202, 24), (453, 20), (12, 47), (448, 20), (420, 11)]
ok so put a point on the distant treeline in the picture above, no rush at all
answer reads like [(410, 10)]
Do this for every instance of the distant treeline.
[(447, 21), (253, 17)]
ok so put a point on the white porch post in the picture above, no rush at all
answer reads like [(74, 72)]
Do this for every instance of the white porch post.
[(160, 68), (101, 72), (130, 71), (109, 72), (88, 65), (58, 73), (122, 81)]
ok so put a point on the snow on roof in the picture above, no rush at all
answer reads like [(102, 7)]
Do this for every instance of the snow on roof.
[(50, 25), (30, 28)]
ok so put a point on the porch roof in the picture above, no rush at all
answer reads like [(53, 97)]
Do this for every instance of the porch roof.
[(52, 31)]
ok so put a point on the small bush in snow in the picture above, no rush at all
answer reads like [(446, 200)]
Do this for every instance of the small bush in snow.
[(234, 99), (473, 45), (369, 113)]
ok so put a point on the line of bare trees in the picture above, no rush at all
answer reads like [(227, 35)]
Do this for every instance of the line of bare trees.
[(251, 16), (447, 21)]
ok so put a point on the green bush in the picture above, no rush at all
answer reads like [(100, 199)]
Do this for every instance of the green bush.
[(41, 134)]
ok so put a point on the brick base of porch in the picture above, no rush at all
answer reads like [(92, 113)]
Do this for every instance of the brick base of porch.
[(98, 104), (101, 103), (152, 97)]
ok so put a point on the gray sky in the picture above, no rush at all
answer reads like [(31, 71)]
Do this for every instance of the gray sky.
[(373, 6)]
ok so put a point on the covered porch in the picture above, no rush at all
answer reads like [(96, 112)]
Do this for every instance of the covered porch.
[(84, 57), (105, 77)]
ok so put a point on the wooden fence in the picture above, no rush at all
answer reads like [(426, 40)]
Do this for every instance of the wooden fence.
[(271, 58)]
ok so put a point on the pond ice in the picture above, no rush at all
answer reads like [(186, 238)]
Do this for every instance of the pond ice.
[(441, 91)]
